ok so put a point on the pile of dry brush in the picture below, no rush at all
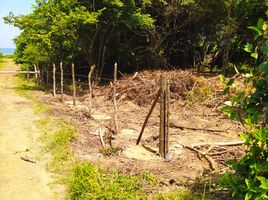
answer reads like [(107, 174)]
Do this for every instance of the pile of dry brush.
[(142, 87)]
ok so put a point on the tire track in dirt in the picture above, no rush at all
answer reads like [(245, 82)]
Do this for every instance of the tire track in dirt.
[(19, 180)]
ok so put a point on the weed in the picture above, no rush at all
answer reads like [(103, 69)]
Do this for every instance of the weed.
[(90, 182), (180, 194), (199, 94), (109, 151), (149, 178)]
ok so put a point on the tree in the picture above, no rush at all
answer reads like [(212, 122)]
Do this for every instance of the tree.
[(136, 34)]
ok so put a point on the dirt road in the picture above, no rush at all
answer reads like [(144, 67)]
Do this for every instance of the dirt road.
[(19, 179)]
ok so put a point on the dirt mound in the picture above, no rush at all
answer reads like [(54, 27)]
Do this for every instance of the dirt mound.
[(142, 87)]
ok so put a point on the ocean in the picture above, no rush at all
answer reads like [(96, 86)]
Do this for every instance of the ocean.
[(7, 51)]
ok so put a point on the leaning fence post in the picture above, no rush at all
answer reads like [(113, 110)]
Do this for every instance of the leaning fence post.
[(74, 88), (61, 81), (90, 88), (148, 116), (54, 79), (114, 99)]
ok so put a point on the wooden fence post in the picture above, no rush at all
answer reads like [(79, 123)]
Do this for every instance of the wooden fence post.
[(28, 75), (61, 81), (167, 118), (164, 117), (42, 74), (54, 79), (74, 88), (114, 99), (35, 70), (38, 72), (47, 78), (90, 89)]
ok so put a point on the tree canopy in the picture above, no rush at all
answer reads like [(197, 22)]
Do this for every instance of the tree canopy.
[(137, 34)]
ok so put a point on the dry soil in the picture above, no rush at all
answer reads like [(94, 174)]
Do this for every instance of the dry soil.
[(19, 179)]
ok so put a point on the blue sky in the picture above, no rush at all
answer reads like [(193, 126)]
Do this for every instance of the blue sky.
[(7, 32)]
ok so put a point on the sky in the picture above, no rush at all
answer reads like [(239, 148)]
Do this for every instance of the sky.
[(7, 32)]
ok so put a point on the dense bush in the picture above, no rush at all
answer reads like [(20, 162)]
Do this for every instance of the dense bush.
[(250, 107)]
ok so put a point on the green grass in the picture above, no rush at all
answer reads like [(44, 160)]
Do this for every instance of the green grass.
[(181, 194), (57, 136), (109, 151), (1, 62), (90, 182)]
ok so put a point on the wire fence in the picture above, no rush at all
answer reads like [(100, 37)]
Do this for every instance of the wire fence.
[(57, 77)]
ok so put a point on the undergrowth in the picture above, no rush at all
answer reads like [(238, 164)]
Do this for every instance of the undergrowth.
[(204, 92), (90, 182), (109, 151)]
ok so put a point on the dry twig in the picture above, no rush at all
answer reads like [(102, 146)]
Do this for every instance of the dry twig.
[(25, 158), (173, 125)]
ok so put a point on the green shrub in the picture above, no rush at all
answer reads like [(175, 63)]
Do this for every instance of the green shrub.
[(250, 177)]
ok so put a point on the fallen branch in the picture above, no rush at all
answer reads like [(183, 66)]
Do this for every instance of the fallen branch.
[(213, 164), (235, 143), (27, 159), (172, 125), (150, 149)]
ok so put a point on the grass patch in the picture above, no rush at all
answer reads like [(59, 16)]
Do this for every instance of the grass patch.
[(57, 136), (110, 150), (90, 182), (180, 194), (2, 61)]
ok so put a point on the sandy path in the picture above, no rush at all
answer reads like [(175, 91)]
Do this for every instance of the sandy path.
[(19, 180)]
